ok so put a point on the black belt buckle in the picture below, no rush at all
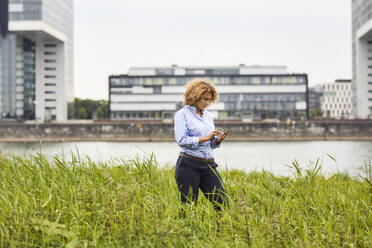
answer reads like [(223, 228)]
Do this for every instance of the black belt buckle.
[(209, 160)]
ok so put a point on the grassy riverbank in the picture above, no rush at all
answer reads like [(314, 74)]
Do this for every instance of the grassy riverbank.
[(135, 204)]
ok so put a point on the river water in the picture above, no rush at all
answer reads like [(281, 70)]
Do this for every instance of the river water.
[(334, 156)]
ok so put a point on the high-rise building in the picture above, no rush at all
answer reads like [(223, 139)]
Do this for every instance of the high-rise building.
[(36, 59), (244, 92), (362, 58), (336, 99)]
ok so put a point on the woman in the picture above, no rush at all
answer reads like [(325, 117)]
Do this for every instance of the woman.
[(196, 135)]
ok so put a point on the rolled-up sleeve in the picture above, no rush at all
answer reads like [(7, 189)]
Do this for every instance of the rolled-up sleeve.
[(214, 145), (181, 135)]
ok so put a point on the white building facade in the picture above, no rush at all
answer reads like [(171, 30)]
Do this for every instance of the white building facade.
[(337, 100), (36, 70), (362, 58), (244, 92)]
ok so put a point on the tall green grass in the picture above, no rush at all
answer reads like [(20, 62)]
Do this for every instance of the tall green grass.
[(135, 203)]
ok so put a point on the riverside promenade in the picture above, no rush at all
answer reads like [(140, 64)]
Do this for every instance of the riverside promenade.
[(157, 130)]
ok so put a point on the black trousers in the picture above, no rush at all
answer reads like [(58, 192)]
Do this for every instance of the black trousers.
[(193, 174)]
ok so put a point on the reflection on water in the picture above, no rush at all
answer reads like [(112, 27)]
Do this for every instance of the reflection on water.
[(247, 156)]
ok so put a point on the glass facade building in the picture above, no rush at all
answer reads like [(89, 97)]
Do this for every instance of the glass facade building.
[(362, 58), (36, 69), (244, 92)]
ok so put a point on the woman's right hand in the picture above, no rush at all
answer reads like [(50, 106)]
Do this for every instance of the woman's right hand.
[(209, 137), (212, 134)]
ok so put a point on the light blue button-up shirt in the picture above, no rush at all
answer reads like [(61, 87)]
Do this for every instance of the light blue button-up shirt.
[(189, 127)]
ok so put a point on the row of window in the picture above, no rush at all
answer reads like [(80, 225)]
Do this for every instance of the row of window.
[(331, 94), (338, 113), (254, 105), (257, 113), (336, 87), (19, 16), (224, 80), (260, 106), (258, 97), (200, 71), (143, 114), (336, 99), (340, 106)]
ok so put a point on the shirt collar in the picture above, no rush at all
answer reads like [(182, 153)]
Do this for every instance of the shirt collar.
[(193, 109)]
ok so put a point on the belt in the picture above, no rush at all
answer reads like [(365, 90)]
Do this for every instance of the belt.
[(205, 160)]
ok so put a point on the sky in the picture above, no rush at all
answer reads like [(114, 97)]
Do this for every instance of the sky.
[(307, 36)]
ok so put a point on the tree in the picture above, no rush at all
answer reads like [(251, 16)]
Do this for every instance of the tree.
[(91, 106), (81, 113), (100, 113), (316, 113)]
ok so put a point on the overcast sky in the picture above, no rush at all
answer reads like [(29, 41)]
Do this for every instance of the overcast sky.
[(307, 36)]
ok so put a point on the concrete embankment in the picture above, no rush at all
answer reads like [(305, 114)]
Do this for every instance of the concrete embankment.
[(159, 131)]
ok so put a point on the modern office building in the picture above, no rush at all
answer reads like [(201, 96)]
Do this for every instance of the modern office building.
[(36, 59), (244, 92), (362, 58), (336, 100)]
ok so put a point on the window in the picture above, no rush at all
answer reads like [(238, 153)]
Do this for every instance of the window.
[(16, 7), (50, 100), (50, 92), (50, 68), (50, 53), (50, 45), (50, 76), (157, 90), (50, 61), (50, 84)]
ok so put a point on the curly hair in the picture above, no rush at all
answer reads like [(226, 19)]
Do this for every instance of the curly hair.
[(198, 87)]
